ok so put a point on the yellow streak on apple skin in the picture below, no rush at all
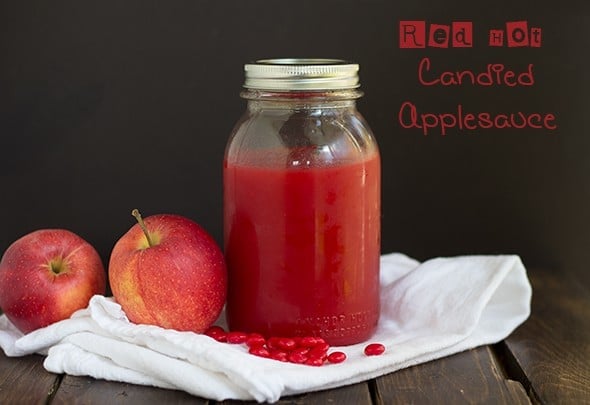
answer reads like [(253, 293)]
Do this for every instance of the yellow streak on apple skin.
[(73, 299), (131, 299), (73, 253), (143, 242), (73, 296)]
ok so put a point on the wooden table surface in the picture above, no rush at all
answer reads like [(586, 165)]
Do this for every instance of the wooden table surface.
[(546, 360)]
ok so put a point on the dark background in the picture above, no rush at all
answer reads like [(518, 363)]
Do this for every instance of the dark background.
[(110, 105)]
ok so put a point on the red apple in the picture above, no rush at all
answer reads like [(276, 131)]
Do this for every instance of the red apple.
[(168, 271), (46, 276)]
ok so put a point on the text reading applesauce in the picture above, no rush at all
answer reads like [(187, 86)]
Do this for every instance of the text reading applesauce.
[(459, 34)]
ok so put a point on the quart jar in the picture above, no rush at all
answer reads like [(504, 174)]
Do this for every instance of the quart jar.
[(302, 195)]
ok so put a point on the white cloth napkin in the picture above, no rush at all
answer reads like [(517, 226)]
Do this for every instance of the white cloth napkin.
[(429, 310)]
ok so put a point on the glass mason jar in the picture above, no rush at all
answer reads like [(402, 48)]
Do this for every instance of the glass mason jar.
[(302, 191)]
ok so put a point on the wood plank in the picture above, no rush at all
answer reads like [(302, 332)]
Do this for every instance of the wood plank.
[(23, 380), (84, 390), (87, 390), (357, 394), (550, 352), (472, 376)]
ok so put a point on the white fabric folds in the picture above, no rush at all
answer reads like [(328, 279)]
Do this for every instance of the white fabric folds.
[(429, 310)]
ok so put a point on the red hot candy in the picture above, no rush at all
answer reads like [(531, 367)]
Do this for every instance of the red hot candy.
[(374, 349), (217, 333), (236, 337), (255, 339), (259, 351), (308, 350), (336, 357)]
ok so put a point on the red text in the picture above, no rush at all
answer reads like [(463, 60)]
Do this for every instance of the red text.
[(495, 74), (413, 34), (517, 34), (409, 117)]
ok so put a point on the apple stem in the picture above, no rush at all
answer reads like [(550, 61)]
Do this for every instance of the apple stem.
[(137, 216)]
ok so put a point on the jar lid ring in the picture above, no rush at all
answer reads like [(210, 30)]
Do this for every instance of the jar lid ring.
[(301, 74)]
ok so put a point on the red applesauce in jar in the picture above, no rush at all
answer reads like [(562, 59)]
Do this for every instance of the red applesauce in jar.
[(302, 205)]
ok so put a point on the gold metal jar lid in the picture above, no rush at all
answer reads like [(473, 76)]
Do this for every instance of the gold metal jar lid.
[(301, 74)]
